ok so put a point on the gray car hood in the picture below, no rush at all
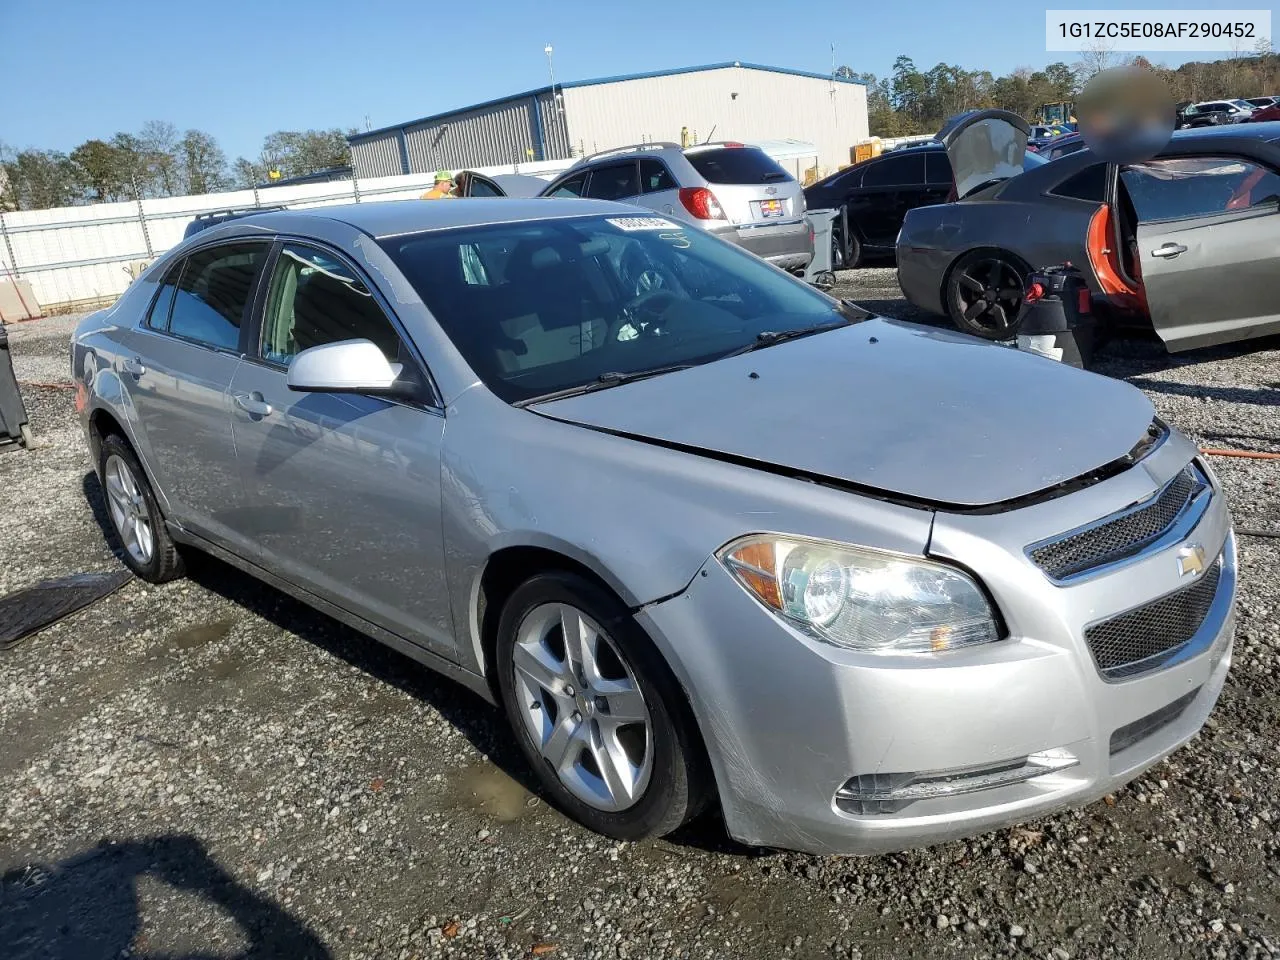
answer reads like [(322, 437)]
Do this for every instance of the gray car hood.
[(914, 412)]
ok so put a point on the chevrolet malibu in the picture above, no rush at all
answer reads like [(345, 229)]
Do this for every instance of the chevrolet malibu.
[(707, 535)]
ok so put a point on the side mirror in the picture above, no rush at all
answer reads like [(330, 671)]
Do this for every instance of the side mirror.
[(349, 366)]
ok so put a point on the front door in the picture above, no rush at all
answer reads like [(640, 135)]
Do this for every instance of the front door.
[(1206, 237), (178, 369), (344, 489)]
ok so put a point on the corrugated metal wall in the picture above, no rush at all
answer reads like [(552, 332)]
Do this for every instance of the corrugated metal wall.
[(501, 133), (767, 105), (378, 156)]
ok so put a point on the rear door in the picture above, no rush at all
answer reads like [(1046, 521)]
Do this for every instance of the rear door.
[(659, 189), (753, 189), (890, 187), (180, 366), (343, 489), (1207, 244)]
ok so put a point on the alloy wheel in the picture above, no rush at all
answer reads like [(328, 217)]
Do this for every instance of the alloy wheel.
[(129, 511), (990, 293), (581, 705)]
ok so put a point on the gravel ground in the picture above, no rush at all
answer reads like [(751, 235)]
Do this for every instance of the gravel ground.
[(210, 769)]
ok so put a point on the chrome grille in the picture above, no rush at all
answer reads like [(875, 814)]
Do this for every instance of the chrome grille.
[(1144, 638), (1121, 536)]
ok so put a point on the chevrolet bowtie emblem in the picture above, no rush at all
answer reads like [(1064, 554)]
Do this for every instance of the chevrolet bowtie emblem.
[(1190, 559)]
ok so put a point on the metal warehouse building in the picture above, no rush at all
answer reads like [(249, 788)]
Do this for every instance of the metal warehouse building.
[(724, 101)]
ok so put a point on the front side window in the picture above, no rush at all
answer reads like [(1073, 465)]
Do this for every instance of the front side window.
[(615, 181), (316, 299), (483, 188), (541, 307), (1178, 188), (212, 295)]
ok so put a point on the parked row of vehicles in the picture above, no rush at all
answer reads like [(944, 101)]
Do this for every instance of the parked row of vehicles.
[(1211, 113)]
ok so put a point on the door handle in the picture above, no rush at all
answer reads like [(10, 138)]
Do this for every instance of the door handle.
[(253, 404), (1168, 251), (134, 367)]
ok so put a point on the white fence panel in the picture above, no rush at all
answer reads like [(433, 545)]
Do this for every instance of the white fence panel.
[(84, 254)]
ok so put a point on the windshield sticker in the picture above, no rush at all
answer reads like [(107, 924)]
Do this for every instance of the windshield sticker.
[(641, 223)]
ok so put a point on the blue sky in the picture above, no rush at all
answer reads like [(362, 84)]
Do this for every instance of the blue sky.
[(241, 70)]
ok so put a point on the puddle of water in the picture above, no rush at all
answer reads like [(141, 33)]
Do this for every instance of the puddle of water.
[(201, 634), (488, 789)]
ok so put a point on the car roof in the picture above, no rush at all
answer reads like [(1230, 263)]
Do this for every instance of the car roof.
[(393, 217), (1267, 130)]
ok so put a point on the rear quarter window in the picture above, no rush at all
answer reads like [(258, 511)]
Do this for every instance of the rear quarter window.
[(737, 165)]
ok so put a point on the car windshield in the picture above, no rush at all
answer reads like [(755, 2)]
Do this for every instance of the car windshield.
[(544, 307)]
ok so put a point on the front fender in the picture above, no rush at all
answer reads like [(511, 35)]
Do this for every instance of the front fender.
[(642, 517)]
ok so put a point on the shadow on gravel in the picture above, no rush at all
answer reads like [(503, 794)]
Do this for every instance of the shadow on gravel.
[(1264, 396), (484, 725), (87, 908)]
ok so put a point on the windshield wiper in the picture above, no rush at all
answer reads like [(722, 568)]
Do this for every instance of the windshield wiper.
[(768, 338), (610, 378)]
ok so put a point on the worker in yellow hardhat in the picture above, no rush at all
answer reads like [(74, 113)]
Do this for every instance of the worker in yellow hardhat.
[(443, 189)]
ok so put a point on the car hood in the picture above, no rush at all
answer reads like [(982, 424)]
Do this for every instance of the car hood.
[(984, 145), (910, 412)]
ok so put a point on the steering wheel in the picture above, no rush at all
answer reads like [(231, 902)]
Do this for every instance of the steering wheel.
[(641, 313)]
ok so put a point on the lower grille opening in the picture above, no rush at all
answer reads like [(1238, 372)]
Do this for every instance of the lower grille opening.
[(880, 793), (1143, 639), (1131, 733)]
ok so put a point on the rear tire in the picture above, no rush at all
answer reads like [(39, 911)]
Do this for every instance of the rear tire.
[(852, 253), (565, 712), (984, 294), (146, 547)]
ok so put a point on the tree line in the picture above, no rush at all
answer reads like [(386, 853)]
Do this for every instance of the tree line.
[(158, 161), (911, 101)]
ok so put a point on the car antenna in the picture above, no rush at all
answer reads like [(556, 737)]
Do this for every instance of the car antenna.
[(713, 130)]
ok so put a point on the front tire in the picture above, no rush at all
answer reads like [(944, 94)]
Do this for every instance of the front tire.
[(148, 550), (596, 711)]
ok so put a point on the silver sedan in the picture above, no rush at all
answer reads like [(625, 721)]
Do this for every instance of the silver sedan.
[(707, 535)]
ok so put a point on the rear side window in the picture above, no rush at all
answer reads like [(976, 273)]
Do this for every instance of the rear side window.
[(571, 188), (654, 176), (613, 181), (213, 294), (907, 170), (158, 318), (937, 168), (1178, 188), (1087, 184), (737, 165)]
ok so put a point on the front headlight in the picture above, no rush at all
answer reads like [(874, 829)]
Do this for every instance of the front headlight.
[(860, 598)]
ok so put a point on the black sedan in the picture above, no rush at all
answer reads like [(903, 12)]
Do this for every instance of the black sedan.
[(875, 195)]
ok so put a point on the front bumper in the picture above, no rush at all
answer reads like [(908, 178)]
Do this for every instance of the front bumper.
[(789, 720)]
